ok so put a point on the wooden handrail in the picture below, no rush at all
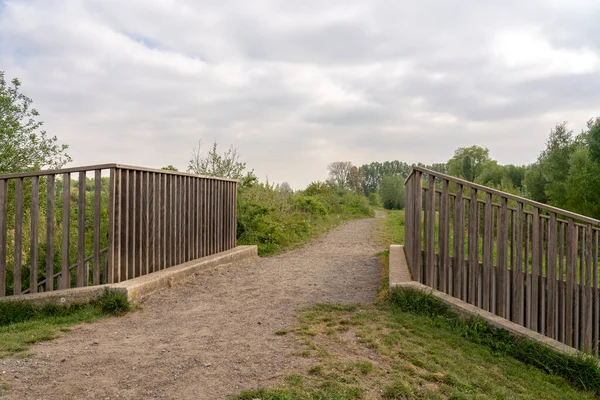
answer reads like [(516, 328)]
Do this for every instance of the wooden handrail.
[(106, 166), (508, 195)]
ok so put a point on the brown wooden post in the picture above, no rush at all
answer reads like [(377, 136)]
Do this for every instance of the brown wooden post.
[(65, 276), (571, 266), (502, 259), (82, 278), (430, 233), (444, 232), (50, 234), (97, 207), (417, 234), (18, 247), (3, 234), (535, 268), (518, 276), (488, 251), (551, 277), (473, 248), (35, 215), (459, 243)]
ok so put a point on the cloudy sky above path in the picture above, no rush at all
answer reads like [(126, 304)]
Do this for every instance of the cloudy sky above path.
[(295, 85)]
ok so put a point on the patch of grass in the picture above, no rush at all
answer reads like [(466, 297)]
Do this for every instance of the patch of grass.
[(419, 355), (22, 324), (580, 370)]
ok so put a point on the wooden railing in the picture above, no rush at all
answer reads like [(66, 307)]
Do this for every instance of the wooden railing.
[(107, 223), (528, 262)]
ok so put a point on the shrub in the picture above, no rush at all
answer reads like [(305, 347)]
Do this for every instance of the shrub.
[(392, 192)]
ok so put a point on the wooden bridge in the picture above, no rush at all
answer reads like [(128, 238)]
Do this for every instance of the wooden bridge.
[(108, 223)]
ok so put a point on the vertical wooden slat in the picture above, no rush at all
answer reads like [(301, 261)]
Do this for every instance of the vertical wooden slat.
[(3, 234), (204, 219), (595, 297), (97, 207), (473, 247), (50, 233), (587, 293), (111, 272), (143, 223), (527, 268), (578, 285), (459, 244), (131, 259), (551, 277), (408, 222), (82, 278), (518, 277), (444, 236), (18, 247), (488, 250), (430, 232), (572, 240), (234, 221), (125, 228), (151, 230), (65, 275), (35, 215), (535, 268), (561, 283), (417, 234), (502, 259)]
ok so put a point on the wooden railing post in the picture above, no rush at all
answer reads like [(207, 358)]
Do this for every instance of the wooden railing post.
[(417, 230)]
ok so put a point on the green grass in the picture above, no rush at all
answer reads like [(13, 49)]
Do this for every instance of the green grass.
[(22, 324), (395, 351)]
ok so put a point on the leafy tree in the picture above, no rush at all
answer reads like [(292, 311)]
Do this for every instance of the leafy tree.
[(339, 173), (468, 162), (226, 165), (392, 192), (169, 168), (593, 139), (374, 172), (24, 146), (534, 183), (356, 179), (583, 184)]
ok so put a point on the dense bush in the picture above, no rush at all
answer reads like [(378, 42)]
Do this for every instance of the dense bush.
[(392, 192), (275, 219)]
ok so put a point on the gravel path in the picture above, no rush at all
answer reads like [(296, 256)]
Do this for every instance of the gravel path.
[(208, 338)]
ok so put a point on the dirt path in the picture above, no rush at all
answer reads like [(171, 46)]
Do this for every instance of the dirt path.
[(208, 338)]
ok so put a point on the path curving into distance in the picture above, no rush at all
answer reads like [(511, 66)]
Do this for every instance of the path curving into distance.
[(207, 338)]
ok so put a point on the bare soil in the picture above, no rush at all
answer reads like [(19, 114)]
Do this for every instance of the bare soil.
[(208, 338)]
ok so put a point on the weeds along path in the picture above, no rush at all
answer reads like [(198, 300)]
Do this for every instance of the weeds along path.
[(206, 339)]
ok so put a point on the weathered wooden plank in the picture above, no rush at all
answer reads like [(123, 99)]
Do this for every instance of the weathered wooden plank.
[(502, 259), (473, 247), (35, 216), (535, 268), (50, 233), (572, 240), (561, 282), (444, 237), (234, 220), (579, 272), (97, 208), (542, 284), (586, 306), (18, 243), (429, 227), (551, 278), (65, 276), (82, 278), (417, 224), (518, 310), (488, 251), (3, 234), (408, 221), (151, 231), (527, 267), (204, 220), (595, 297), (142, 220), (459, 244), (111, 274), (125, 223)]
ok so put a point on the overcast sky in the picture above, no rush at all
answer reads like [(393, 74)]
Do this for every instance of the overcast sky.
[(295, 85)]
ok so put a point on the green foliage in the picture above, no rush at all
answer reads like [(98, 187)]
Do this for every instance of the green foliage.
[(226, 165), (113, 303), (169, 168), (469, 162), (581, 371), (392, 192), (374, 172), (24, 146), (275, 220), (375, 199)]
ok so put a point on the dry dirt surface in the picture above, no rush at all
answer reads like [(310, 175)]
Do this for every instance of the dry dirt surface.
[(208, 338)]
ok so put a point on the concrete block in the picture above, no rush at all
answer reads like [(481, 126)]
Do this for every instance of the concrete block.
[(398, 266)]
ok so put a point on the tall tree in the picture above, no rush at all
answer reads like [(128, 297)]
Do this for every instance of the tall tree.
[(24, 146), (468, 162), (339, 173)]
